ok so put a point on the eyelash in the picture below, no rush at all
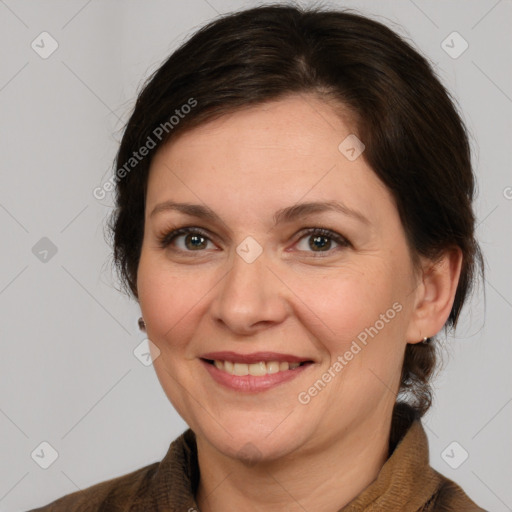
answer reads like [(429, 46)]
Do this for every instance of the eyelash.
[(166, 238)]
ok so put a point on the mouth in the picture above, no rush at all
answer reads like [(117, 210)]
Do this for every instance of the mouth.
[(253, 373), (257, 369)]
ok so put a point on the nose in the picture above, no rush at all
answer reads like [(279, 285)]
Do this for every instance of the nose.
[(250, 297)]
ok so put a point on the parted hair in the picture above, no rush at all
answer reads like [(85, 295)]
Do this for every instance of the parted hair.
[(415, 140)]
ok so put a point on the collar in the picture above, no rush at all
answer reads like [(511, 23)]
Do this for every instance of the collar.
[(405, 482)]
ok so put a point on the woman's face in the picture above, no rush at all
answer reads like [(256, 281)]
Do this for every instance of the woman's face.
[(252, 278)]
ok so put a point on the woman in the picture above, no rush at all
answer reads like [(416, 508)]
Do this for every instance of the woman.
[(295, 245)]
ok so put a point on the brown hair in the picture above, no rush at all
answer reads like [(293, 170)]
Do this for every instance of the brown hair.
[(415, 139)]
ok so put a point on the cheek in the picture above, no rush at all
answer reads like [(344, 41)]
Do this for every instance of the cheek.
[(358, 322), (344, 306), (169, 300), (332, 306)]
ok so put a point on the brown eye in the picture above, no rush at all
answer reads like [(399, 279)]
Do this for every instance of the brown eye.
[(194, 239), (320, 240)]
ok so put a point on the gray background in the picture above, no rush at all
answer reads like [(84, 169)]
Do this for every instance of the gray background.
[(67, 368)]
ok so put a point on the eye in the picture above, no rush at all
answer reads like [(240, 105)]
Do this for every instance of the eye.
[(195, 239), (316, 240), (320, 240)]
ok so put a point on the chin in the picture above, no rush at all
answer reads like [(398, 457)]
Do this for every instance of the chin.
[(254, 441), (253, 450)]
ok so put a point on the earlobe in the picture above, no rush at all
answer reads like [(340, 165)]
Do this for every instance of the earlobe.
[(435, 295)]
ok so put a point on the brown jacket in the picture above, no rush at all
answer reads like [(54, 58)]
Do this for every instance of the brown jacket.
[(406, 482)]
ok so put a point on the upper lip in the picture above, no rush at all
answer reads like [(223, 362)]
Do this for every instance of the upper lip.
[(255, 357)]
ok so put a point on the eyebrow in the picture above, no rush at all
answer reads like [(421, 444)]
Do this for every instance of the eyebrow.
[(287, 214)]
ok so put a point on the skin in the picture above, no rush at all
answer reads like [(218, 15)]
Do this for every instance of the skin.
[(292, 299)]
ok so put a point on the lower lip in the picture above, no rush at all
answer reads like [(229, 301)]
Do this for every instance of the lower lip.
[(251, 383)]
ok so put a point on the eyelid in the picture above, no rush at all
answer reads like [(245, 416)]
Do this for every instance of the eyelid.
[(336, 237), (167, 236)]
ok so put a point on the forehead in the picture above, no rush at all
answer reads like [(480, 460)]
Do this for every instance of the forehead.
[(301, 124), (265, 156)]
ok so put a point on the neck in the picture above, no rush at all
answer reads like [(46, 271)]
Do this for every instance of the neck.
[(323, 480)]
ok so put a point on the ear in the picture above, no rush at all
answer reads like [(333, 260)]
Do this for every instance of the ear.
[(435, 294)]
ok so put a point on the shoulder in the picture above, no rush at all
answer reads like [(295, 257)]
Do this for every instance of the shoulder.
[(450, 497), (173, 479), (113, 495)]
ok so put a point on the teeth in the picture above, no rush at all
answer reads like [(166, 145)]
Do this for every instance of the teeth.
[(228, 366), (257, 369), (241, 369), (272, 367)]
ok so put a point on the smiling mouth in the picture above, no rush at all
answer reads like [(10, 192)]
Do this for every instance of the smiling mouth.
[(258, 369)]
